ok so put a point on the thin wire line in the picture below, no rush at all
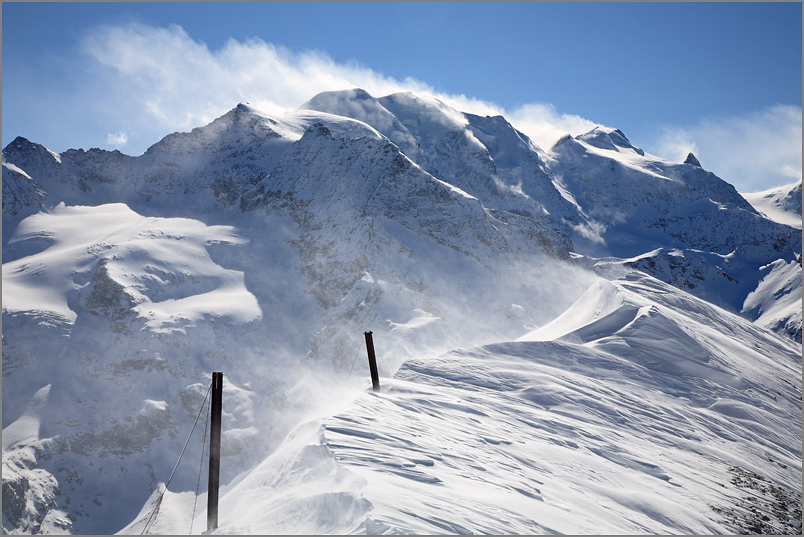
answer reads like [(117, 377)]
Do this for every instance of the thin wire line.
[(200, 466), (359, 344), (155, 512)]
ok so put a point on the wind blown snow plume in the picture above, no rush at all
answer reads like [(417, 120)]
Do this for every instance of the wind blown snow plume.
[(162, 69), (545, 125), (181, 84), (754, 149)]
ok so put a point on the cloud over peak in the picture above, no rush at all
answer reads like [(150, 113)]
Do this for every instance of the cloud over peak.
[(754, 151), (160, 80), (180, 83)]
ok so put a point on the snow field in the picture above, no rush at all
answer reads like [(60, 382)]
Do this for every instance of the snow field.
[(162, 265), (611, 429), (782, 204)]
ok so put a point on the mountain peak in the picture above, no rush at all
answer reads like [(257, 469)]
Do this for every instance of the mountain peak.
[(22, 144), (358, 93), (607, 138), (242, 108), (20, 141), (327, 100), (692, 160), (564, 139), (319, 129), (21, 150)]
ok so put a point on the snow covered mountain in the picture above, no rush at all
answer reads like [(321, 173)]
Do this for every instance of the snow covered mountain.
[(265, 246), (781, 204), (677, 222)]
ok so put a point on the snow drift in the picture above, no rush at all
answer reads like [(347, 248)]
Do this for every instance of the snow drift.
[(632, 421)]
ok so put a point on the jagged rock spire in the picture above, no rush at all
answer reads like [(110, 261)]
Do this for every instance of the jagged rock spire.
[(692, 160)]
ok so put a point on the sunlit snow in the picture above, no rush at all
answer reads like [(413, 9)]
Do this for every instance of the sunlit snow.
[(140, 255), (626, 424)]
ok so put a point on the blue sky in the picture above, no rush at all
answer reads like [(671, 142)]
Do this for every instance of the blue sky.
[(722, 80)]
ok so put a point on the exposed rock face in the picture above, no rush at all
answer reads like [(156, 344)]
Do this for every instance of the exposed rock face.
[(21, 194), (691, 160)]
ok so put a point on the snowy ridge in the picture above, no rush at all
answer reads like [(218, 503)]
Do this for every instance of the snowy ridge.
[(20, 192), (612, 428), (213, 164), (486, 157)]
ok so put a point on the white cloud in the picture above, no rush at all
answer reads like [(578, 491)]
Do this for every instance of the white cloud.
[(545, 125), (117, 139), (754, 151), (175, 83), (675, 144), (180, 83), (160, 80)]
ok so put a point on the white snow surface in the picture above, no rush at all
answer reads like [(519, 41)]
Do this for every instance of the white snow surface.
[(143, 255), (628, 423), (776, 302), (781, 204)]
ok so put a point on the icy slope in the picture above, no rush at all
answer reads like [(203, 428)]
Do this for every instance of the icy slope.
[(645, 416), (781, 204)]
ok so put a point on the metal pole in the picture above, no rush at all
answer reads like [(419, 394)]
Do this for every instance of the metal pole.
[(375, 377), (214, 451)]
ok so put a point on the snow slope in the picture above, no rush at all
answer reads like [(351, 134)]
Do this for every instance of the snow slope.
[(776, 302), (143, 255), (781, 204), (638, 418)]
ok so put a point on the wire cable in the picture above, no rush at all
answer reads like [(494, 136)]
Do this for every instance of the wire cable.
[(354, 361), (155, 512), (200, 466)]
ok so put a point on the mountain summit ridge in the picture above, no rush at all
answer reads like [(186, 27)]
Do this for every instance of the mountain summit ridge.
[(605, 195)]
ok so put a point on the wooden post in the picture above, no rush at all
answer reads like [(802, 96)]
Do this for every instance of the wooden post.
[(214, 451), (375, 377)]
